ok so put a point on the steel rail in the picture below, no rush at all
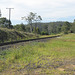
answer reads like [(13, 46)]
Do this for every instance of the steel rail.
[(14, 42)]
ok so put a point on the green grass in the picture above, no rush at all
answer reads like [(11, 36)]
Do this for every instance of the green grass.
[(55, 57)]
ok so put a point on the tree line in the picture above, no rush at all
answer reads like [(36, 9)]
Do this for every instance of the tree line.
[(35, 26)]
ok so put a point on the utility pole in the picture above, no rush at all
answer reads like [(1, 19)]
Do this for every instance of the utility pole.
[(9, 15), (0, 13)]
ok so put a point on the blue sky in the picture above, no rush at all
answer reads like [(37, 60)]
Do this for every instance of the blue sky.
[(49, 10)]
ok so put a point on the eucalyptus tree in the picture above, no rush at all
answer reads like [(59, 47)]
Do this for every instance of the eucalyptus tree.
[(37, 20), (31, 18)]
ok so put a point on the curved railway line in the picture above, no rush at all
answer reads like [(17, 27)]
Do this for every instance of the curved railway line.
[(4, 46)]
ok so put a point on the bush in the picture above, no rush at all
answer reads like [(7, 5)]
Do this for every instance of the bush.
[(44, 33), (3, 36)]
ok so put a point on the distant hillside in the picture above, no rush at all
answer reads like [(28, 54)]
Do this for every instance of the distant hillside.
[(40, 24), (47, 28), (12, 34)]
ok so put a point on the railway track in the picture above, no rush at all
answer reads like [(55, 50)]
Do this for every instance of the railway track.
[(4, 46)]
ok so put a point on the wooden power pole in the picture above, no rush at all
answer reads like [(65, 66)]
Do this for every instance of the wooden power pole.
[(9, 15), (0, 13)]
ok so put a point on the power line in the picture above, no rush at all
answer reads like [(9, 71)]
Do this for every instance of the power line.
[(9, 15)]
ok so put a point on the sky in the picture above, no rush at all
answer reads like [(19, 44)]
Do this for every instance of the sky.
[(49, 10)]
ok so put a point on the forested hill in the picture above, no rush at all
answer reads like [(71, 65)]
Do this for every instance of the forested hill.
[(48, 28)]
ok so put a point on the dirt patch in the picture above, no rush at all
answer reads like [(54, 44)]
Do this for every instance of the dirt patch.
[(61, 69)]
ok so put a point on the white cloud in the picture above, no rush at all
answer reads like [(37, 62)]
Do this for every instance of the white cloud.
[(45, 8)]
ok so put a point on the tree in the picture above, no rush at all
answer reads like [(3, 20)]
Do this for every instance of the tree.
[(20, 27), (66, 27), (36, 30), (52, 28), (73, 28), (37, 19), (59, 28), (4, 22), (32, 17)]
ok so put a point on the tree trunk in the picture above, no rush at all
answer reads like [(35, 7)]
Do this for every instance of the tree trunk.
[(31, 29)]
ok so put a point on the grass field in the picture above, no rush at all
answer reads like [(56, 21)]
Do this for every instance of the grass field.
[(54, 57)]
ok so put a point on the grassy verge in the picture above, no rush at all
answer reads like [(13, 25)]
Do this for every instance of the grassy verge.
[(50, 35), (55, 57), (8, 35)]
